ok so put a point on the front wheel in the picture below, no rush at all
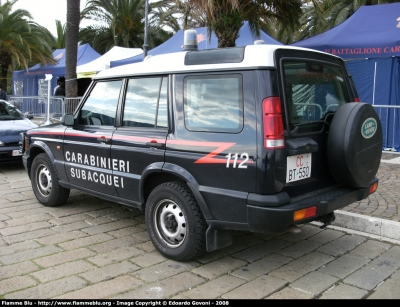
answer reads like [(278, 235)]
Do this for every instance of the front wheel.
[(45, 183), (175, 223)]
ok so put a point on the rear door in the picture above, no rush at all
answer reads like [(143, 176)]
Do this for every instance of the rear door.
[(312, 87), (139, 142)]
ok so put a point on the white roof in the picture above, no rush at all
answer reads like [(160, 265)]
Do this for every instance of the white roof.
[(103, 62), (255, 56)]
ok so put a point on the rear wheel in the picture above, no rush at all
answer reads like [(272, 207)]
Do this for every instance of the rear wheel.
[(45, 183), (174, 222)]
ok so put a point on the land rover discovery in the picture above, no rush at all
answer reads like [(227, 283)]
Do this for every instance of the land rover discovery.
[(257, 138)]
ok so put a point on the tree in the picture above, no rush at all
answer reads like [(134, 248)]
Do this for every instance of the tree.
[(322, 15), (226, 17), (22, 41), (120, 23), (176, 14), (61, 35), (71, 50)]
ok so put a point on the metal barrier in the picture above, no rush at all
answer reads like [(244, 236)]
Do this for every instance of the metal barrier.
[(36, 106), (308, 111), (71, 104), (389, 116)]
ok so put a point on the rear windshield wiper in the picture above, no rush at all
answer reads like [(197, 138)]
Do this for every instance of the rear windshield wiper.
[(312, 123)]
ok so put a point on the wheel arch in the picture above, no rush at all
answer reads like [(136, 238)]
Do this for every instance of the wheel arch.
[(158, 173), (45, 185), (37, 148)]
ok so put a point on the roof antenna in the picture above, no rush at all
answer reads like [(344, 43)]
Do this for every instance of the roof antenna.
[(190, 40), (259, 42)]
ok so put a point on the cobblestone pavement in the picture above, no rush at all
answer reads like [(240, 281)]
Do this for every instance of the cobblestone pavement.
[(90, 248), (385, 202)]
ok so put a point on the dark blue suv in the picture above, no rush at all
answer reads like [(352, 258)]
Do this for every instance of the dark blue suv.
[(257, 138)]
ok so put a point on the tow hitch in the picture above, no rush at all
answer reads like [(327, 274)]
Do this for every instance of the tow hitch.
[(327, 220)]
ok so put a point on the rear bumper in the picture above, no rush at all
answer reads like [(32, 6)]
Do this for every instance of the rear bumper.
[(274, 219)]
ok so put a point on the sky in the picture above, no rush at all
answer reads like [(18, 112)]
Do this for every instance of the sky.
[(46, 12)]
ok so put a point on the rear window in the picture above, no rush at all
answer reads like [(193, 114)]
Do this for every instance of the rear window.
[(313, 90), (9, 112)]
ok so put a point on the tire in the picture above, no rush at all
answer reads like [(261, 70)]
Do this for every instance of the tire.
[(354, 150), (175, 223), (45, 183)]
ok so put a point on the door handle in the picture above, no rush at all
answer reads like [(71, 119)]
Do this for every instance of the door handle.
[(156, 145), (103, 139)]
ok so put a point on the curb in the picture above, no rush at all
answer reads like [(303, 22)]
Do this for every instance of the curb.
[(367, 224), (392, 161)]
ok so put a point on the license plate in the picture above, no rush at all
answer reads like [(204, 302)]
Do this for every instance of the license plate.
[(16, 153), (298, 167)]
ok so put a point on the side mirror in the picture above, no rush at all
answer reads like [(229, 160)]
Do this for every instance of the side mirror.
[(68, 120)]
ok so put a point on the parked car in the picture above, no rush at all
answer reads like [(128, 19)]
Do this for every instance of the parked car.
[(12, 123), (216, 140), (29, 115)]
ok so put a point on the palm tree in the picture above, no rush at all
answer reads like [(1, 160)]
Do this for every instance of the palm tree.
[(71, 50), (322, 15), (22, 41), (176, 14), (121, 23), (226, 17), (61, 35)]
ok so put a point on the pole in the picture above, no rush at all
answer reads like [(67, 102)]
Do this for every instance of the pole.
[(48, 79), (146, 13), (373, 89)]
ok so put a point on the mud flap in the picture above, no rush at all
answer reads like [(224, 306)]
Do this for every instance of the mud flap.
[(217, 238)]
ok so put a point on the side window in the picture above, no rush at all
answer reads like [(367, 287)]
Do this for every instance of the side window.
[(101, 105), (214, 103), (146, 103), (313, 89)]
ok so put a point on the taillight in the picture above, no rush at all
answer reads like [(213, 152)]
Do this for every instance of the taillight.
[(357, 99), (304, 213), (273, 123), (373, 187)]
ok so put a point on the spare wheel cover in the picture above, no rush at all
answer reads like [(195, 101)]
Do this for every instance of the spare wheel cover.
[(355, 144)]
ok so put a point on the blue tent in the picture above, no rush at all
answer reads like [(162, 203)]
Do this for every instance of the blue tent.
[(175, 43), (28, 82), (369, 42)]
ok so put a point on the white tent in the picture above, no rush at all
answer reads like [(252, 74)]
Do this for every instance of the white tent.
[(90, 69)]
